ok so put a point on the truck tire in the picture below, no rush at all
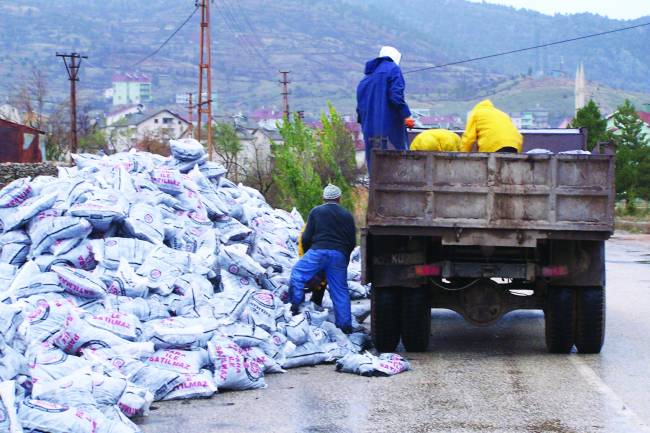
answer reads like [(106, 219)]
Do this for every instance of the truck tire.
[(559, 313), (415, 319), (590, 319), (384, 319)]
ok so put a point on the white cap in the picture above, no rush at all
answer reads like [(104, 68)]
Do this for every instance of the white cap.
[(331, 192), (391, 52)]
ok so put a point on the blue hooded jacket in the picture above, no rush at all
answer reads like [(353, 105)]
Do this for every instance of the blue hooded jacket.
[(381, 108)]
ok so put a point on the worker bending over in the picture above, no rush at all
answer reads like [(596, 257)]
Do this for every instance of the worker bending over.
[(329, 238), (381, 108), (436, 140), (492, 128)]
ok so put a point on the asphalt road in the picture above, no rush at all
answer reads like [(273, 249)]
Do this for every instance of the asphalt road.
[(496, 379)]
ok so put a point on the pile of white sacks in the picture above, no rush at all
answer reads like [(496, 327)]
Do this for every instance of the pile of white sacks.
[(134, 278)]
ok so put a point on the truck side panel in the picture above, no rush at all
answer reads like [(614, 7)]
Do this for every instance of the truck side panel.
[(492, 191)]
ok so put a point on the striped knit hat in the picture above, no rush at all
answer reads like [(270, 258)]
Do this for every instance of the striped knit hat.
[(331, 192)]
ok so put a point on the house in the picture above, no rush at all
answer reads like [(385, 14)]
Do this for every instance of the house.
[(267, 118), (163, 125), (121, 111), (523, 120), (531, 119), (643, 115), (10, 113), (359, 144), (21, 143), (254, 158), (131, 88), (445, 122)]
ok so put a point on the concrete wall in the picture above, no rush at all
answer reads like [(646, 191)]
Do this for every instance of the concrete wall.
[(12, 171)]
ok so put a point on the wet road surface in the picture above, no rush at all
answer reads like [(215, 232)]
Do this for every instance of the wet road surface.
[(495, 379)]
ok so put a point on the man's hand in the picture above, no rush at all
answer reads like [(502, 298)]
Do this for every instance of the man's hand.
[(409, 123)]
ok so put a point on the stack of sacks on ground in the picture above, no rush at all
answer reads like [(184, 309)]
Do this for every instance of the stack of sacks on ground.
[(134, 278)]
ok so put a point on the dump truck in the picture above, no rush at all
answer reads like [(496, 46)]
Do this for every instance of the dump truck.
[(484, 234)]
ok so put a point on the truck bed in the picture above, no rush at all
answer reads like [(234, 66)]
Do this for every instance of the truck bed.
[(558, 192)]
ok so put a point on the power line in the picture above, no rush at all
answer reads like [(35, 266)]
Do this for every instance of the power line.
[(549, 44), (154, 52), (233, 24), (241, 16), (157, 50)]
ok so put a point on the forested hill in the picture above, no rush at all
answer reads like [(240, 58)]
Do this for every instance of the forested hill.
[(323, 42)]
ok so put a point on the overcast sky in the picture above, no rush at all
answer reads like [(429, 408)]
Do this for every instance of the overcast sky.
[(620, 9)]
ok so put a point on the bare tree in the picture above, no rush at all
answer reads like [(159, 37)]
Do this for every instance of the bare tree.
[(154, 143), (57, 133), (258, 170), (30, 98)]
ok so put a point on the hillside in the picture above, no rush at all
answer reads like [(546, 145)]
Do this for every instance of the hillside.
[(525, 93), (324, 44)]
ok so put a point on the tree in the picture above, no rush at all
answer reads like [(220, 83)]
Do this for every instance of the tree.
[(57, 134), (92, 141), (228, 147), (336, 162), (590, 117), (296, 181), (258, 170), (154, 143), (632, 159), (30, 98)]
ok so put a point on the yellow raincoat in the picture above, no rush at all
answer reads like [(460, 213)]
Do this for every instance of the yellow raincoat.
[(492, 128), (436, 140)]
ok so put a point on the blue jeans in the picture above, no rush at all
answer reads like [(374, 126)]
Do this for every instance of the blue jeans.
[(335, 265)]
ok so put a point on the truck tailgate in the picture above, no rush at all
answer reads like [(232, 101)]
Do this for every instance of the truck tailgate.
[(492, 190)]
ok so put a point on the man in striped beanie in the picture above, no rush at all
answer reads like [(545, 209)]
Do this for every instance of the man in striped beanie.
[(328, 239)]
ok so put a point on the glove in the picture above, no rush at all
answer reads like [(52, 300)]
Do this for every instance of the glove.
[(295, 309), (409, 123)]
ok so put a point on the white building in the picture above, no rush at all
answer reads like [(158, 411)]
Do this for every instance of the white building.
[(163, 125), (131, 89)]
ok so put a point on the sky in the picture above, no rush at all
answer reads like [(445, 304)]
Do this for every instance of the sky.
[(618, 9)]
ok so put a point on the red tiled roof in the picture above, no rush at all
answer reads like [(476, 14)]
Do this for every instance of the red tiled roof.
[(644, 116), (131, 77), (266, 114), (121, 109)]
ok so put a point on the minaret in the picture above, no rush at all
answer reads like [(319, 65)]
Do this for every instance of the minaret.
[(580, 87)]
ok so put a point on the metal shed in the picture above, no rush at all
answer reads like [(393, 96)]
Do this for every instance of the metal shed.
[(20, 143)]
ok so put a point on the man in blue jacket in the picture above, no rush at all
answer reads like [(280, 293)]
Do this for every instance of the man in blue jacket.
[(381, 109), (329, 238)]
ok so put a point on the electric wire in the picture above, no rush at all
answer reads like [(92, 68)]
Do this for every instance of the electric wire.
[(519, 50), (228, 16), (153, 53), (178, 29)]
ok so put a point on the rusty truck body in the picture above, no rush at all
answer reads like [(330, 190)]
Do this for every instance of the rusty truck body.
[(484, 234)]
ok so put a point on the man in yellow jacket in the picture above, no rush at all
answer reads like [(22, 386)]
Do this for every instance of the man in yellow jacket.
[(492, 128), (436, 140)]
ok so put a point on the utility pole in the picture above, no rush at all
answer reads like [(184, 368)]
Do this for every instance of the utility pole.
[(285, 93), (190, 109), (205, 71), (73, 75)]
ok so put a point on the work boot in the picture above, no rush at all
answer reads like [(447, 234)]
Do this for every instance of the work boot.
[(317, 296), (347, 330)]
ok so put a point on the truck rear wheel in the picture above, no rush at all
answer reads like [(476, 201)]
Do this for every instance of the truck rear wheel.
[(385, 323), (560, 320), (590, 319), (416, 319)]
